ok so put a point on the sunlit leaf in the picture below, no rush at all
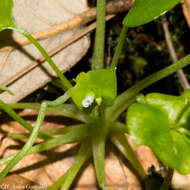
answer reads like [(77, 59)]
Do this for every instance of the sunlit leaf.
[(144, 11), (159, 124), (6, 19), (171, 105), (97, 86), (145, 122)]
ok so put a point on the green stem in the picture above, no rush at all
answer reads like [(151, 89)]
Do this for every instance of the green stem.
[(57, 83), (20, 120), (119, 47), (118, 127), (167, 180), (77, 134), (13, 114), (183, 131), (4, 88), (98, 62), (66, 110), (120, 109), (123, 145), (60, 100), (18, 136), (121, 104), (66, 82), (66, 180), (28, 145), (50, 132), (103, 125), (98, 147)]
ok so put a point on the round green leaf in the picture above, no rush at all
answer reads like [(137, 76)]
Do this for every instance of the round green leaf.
[(173, 106), (144, 11), (95, 86), (6, 19), (182, 152), (150, 126)]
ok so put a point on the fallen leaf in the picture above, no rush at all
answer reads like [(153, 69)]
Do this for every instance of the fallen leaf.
[(43, 169), (34, 16), (30, 166), (17, 182), (186, 10)]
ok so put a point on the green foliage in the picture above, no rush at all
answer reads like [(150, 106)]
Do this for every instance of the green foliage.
[(144, 11), (97, 85), (158, 123), (4, 88), (6, 19)]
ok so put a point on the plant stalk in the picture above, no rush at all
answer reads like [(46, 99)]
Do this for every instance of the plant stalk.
[(66, 110), (66, 180), (75, 135), (121, 104), (98, 57), (121, 142), (64, 80), (20, 120), (119, 47), (98, 147), (167, 180), (28, 145)]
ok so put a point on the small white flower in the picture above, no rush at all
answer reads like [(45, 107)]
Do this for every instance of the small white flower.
[(88, 101)]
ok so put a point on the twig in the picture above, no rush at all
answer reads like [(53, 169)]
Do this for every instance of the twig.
[(180, 74), (5, 58), (78, 20), (53, 52)]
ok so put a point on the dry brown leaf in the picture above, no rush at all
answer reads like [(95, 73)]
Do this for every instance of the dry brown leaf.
[(44, 169), (186, 10), (118, 175), (17, 182), (34, 16), (30, 166)]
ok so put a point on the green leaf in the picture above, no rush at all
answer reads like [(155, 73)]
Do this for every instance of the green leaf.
[(98, 147), (121, 142), (75, 135), (181, 149), (6, 20), (173, 106), (145, 122), (97, 86), (150, 125), (144, 11), (28, 145), (66, 180)]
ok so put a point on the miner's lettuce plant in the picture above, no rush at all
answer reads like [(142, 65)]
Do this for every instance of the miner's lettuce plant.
[(159, 121)]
